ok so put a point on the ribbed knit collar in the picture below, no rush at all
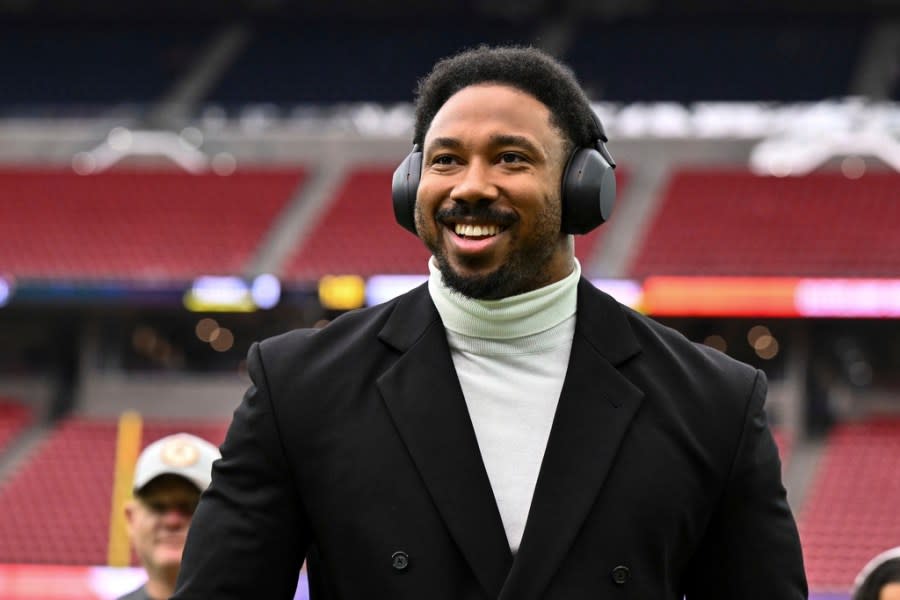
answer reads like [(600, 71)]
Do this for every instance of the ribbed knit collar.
[(513, 317)]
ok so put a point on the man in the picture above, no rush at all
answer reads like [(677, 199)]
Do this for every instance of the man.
[(169, 477), (507, 430)]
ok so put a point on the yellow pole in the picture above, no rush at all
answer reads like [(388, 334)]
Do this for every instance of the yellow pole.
[(128, 444)]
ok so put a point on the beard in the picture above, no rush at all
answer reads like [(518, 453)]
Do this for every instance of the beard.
[(526, 266)]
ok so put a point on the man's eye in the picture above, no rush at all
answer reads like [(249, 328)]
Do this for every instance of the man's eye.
[(444, 159), (511, 157)]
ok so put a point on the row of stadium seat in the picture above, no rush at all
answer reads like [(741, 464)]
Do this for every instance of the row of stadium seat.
[(735, 223), (142, 225), (851, 511), (56, 224), (322, 61)]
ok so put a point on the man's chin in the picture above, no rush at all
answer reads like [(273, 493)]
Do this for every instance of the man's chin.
[(481, 286), (168, 557)]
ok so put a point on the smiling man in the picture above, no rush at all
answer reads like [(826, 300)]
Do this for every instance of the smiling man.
[(169, 476), (506, 430), (489, 198)]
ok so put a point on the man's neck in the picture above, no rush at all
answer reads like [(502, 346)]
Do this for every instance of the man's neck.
[(161, 584)]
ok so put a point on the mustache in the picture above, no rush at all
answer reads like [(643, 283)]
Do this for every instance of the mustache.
[(483, 213)]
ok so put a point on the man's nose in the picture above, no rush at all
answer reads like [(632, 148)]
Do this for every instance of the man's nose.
[(175, 516), (476, 183)]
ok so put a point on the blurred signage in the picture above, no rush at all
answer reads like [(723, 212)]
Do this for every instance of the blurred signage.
[(6, 290), (673, 296), (342, 292), (232, 294), (381, 288), (70, 582), (771, 297)]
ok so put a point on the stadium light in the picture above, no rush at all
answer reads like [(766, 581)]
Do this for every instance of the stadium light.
[(219, 294), (265, 291)]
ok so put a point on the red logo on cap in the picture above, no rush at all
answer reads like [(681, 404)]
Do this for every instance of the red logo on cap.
[(180, 453)]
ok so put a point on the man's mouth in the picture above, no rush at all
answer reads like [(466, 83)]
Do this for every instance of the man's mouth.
[(476, 231)]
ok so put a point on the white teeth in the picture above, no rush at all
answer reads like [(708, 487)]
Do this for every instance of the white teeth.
[(476, 230)]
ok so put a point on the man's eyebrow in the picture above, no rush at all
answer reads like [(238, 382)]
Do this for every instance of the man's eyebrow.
[(517, 140), (443, 142), (500, 139)]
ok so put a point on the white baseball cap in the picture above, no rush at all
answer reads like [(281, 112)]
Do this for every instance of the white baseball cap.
[(893, 553), (179, 454)]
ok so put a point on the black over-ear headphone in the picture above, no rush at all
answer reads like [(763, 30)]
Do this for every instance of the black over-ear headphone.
[(588, 187)]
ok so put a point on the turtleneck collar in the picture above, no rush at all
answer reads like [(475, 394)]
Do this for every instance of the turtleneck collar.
[(513, 317)]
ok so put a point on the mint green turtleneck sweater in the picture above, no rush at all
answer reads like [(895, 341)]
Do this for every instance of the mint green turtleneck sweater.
[(510, 357)]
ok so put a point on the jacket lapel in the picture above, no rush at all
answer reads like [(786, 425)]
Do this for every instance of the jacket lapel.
[(595, 408), (424, 398)]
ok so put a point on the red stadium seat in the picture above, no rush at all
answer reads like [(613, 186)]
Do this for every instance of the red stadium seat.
[(850, 514), (716, 222), (130, 224)]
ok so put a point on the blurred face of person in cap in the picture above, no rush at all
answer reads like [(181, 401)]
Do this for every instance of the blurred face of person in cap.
[(158, 520), (169, 477)]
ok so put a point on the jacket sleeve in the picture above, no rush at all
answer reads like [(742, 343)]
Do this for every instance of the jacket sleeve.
[(249, 534), (751, 548)]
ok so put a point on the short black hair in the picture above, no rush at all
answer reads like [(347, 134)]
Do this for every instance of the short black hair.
[(886, 573), (524, 68)]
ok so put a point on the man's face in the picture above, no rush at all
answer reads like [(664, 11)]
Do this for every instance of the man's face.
[(488, 204), (158, 521)]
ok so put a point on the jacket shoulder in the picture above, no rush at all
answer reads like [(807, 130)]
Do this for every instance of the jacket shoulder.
[(354, 326), (667, 353)]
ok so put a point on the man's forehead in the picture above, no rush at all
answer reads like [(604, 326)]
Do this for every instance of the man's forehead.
[(517, 114), (483, 98)]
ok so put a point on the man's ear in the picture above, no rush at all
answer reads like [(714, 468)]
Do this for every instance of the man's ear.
[(131, 509)]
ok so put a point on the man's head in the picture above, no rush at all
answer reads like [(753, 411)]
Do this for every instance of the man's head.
[(169, 476), (526, 69), (496, 127)]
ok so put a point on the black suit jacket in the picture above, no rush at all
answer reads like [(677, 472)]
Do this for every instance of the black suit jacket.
[(354, 447)]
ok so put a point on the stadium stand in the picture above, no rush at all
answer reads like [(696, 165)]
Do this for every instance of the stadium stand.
[(56, 506), (136, 224), (366, 61), (14, 418), (357, 233), (727, 222), (342, 240), (60, 65), (851, 511), (805, 60)]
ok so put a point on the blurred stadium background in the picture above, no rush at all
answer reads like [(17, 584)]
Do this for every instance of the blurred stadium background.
[(180, 179)]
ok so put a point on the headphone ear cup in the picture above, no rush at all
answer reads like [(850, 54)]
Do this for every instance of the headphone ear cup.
[(403, 189), (588, 191)]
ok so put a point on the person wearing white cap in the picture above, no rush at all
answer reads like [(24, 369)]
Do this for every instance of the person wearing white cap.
[(169, 476), (880, 578)]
